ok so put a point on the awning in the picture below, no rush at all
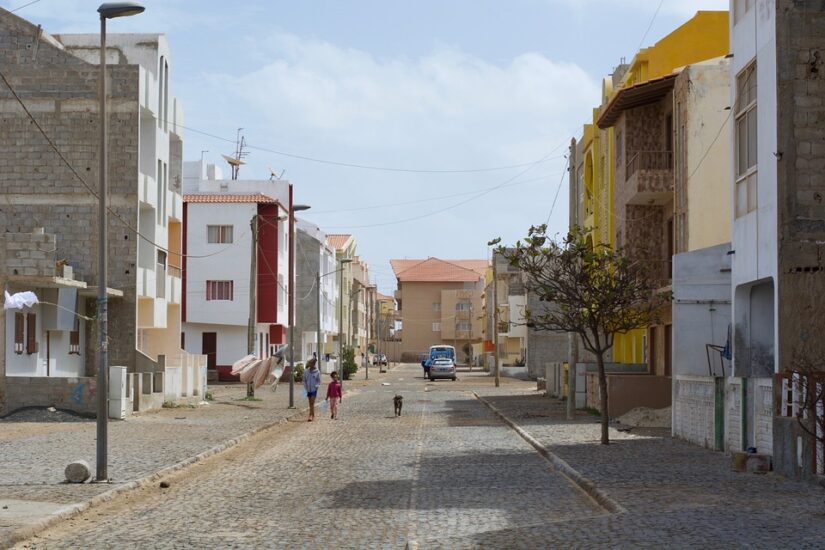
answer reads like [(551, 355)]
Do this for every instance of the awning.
[(644, 93), (39, 281)]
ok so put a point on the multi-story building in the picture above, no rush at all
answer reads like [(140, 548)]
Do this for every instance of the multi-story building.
[(778, 282), (221, 292), (362, 302), (345, 249), (439, 301), (314, 262), (50, 244), (701, 263)]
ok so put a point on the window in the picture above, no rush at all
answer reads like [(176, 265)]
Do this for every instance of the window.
[(464, 326), (745, 148), (220, 290), (31, 333), (462, 306), (436, 306), (219, 234), (74, 342), (19, 333), (436, 327)]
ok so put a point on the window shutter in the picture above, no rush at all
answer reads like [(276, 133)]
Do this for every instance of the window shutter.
[(74, 342), (31, 333), (19, 331)]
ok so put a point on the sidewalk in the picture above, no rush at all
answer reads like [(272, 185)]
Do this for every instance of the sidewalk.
[(35, 452), (673, 492)]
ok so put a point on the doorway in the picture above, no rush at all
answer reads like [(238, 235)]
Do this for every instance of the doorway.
[(209, 348)]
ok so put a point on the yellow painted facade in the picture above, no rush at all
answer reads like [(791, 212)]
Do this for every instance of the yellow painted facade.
[(704, 36)]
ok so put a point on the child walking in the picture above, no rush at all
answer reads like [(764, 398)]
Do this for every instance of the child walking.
[(312, 381), (334, 395)]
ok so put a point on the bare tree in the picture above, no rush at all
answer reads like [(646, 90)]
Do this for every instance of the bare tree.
[(595, 292), (808, 383)]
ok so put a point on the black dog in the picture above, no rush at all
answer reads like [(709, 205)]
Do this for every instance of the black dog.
[(398, 402)]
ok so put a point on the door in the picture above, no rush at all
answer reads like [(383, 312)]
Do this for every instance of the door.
[(209, 347), (668, 349), (651, 353)]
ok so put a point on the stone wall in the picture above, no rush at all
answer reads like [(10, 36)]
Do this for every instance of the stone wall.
[(29, 254)]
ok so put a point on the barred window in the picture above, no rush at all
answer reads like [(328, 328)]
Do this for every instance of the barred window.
[(74, 342)]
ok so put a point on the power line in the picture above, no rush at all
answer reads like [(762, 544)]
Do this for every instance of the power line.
[(456, 205), (87, 186), (650, 26), (24, 6), (418, 201), (566, 164), (363, 166)]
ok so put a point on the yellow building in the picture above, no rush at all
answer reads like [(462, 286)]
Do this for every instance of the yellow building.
[(622, 141)]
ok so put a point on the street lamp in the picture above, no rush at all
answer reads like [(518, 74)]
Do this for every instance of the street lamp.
[(294, 208), (106, 11)]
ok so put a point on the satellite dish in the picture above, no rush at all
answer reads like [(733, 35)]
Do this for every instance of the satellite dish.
[(232, 160)]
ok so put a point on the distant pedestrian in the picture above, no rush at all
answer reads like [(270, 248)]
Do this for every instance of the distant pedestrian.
[(312, 381), (334, 395)]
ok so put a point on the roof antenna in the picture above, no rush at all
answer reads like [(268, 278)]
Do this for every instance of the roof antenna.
[(274, 175), (236, 161)]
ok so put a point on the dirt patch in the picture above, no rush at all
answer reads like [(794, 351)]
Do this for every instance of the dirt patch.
[(643, 417)]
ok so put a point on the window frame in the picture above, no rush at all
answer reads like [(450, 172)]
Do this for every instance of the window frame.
[(745, 113), (225, 233), (220, 291)]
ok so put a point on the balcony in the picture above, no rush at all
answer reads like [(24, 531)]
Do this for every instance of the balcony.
[(649, 177)]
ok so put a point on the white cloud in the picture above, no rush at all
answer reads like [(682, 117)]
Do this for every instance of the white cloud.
[(444, 110)]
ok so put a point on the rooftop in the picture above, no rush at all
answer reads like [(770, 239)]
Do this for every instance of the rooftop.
[(438, 270), (229, 198)]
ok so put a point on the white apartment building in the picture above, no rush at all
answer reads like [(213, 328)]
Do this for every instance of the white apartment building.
[(220, 219)]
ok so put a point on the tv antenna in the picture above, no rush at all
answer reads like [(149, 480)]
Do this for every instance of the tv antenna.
[(236, 161), (273, 175)]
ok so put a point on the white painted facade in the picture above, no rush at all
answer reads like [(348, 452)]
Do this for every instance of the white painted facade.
[(328, 295), (229, 319), (754, 236)]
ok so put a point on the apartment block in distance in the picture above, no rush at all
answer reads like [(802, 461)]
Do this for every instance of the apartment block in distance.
[(439, 302)]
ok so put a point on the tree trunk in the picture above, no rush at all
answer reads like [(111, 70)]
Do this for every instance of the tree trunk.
[(603, 396)]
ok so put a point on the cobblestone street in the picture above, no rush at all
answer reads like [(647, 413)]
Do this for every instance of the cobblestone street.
[(450, 474)]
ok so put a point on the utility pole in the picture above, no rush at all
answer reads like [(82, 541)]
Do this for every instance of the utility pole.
[(573, 342), (253, 266), (495, 321), (318, 308)]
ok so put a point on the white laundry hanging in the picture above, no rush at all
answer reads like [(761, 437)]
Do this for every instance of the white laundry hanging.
[(19, 300)]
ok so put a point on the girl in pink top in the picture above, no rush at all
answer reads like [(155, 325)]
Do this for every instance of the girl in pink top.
[(334, 395)]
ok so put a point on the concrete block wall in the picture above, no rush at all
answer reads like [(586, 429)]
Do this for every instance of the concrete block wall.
[(694, 409), (30, 254), (74, 394), (39, 190), (763, 415)]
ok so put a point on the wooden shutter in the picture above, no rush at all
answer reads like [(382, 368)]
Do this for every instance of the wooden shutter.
[(74, 342), (31, 333), (19, 331)]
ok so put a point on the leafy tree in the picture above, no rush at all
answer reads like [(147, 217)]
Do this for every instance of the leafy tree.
[(591, 290), (349, 364)]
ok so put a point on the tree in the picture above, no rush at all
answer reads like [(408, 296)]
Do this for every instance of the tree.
[(591, 290)]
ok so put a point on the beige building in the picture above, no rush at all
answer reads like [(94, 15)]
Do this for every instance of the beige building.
[(439, 302), (345, 247)]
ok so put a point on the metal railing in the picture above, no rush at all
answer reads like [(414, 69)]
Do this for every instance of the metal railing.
[(648, 160)]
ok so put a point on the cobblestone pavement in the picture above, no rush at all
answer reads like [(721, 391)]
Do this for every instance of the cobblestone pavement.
[(447, 474), (34, 450), (676, 494)]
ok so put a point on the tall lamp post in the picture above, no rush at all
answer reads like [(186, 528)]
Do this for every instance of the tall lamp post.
[(293, 208), (106, 11)]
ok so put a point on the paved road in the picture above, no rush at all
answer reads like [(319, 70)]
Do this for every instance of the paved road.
[(447, 474)]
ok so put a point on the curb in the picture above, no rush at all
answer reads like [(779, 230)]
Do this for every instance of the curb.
[(73, 510), (576, 478)]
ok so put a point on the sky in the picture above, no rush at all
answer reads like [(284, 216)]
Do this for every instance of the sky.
[(424, 128)]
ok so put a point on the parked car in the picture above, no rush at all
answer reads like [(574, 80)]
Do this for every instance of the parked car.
[(442, 368), (379, 359)]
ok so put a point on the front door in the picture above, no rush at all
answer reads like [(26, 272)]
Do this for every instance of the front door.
[(209, 347)]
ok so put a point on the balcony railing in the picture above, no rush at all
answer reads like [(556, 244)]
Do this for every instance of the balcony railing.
[(648, 160)]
